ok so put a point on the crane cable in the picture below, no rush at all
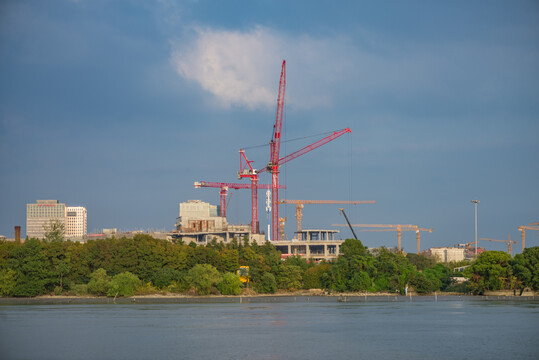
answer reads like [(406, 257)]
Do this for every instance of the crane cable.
[(295, 139)]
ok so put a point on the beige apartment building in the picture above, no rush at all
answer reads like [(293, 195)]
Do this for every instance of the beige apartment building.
[(447, 254)]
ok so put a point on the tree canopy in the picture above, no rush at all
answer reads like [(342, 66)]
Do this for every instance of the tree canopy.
[(120, 267)]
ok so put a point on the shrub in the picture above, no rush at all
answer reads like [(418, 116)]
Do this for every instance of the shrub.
[(29, 288), (181, 284), (146, 288), (230, 284), (202, 277), (79, 290), (162, 278), (312, 279), (124, 284), (267, 284), (100, 282), (458, 288), (8, 280)]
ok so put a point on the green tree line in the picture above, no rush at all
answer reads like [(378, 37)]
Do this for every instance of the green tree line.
[(142, 265)]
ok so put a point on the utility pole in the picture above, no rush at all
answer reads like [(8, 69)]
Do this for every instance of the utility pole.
[(268, 211), (475, 204)]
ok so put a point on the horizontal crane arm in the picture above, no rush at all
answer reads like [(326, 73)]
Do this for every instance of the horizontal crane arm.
[(285, 201), (313, 146), (414, 227), (199, 184)]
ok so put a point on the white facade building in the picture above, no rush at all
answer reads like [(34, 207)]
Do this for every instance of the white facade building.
[(76, 222), (40, 215)]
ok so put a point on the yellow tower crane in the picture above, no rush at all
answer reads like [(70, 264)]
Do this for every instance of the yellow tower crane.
[(522, 229), (399, 228), (301, 203), (509, 243)]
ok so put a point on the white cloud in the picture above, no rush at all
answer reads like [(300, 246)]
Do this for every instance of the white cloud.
[(243, 68)]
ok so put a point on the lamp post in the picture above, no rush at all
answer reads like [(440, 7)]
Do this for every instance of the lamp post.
[(475, 204)]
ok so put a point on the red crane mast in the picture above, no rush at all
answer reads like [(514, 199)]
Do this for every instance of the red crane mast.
[(275, 146)]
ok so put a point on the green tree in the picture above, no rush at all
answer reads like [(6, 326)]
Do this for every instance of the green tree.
[(526, 268), (267, 284), (30, 263), (100, 282), (124, 284), (297, 261), (164, 277), (352, 247), (54, 231), (440, 276), (422, 283), (229, 261), (491, 271), (230, 284), (420, 261), (312, 279), (391, 271), (289, 277), (203, 277), (360, 281), (8, 280), (336, 278)]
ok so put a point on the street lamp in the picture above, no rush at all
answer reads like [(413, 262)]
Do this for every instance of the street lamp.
[(475, 204)]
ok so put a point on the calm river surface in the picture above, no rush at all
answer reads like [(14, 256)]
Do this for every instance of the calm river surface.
[(456, 329)]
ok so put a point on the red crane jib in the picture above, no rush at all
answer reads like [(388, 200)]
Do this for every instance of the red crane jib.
[(308, 148), (233, 185), (313, 146)]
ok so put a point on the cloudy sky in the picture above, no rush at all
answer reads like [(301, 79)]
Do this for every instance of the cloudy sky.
[(119, 106)]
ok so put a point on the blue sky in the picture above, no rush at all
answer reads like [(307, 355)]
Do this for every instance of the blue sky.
[(119, 106)]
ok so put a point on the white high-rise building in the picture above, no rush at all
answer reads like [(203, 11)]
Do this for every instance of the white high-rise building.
[(40, 215), (76, 222)]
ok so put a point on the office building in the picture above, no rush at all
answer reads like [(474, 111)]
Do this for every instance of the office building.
[(76, 222), (40, 215)]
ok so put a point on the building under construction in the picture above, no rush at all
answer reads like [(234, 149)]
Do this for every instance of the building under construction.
[(315, 244), (198, 222)]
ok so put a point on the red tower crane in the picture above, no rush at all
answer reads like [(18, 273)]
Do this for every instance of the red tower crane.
[(275, 146), (246, 170)]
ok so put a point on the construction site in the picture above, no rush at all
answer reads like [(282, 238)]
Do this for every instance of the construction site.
[(200, 222)]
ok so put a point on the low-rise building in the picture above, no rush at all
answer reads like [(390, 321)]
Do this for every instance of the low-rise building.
[(447, 254)]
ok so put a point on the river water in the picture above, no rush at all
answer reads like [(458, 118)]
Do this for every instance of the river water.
[(307, 329)]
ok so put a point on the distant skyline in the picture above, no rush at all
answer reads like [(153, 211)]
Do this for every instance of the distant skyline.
[(119, 106)]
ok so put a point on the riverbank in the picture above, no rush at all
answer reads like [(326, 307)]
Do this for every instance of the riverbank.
[(274, 298)]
